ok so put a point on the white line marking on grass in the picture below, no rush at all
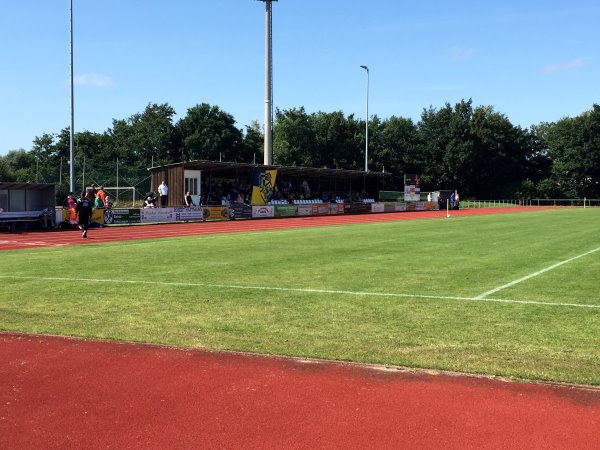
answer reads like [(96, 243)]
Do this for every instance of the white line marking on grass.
[(302, 290), (535, 274)]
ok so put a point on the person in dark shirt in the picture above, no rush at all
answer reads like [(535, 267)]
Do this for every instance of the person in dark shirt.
[(188, 199), (83, 210)]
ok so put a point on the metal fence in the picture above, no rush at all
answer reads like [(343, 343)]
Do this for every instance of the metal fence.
[(129, 185), (570, 202)]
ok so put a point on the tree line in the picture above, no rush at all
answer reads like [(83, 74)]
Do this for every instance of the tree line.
[(475, 150)]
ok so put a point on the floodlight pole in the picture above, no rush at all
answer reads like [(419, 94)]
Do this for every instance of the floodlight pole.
[(72, 128), (367, 124), (268, 125)]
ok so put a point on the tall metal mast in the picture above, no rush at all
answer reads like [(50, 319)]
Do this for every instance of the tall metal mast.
[(72, 130), (268, 122)]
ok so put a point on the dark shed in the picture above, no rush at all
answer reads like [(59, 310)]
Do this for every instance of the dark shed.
[(21, 197)]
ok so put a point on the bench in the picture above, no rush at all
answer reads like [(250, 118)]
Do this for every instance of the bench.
[(14, 218)]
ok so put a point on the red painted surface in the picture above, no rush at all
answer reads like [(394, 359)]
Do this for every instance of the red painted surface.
[(72, 394), (61, 393), (10, 241)]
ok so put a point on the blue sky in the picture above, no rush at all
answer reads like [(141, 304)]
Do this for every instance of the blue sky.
[(534, 61)]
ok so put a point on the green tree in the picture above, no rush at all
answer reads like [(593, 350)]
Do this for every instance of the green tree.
[(475, 150), (498, 162), (23, 166), (252, 144), (6, 172), (208, 133), (335, 140), (435, 137), (397, 148), (143, 138), (294, 141), (574, 148)]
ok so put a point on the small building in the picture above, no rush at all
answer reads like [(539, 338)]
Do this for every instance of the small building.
[(21, 204), (23, 197), (207, 181)]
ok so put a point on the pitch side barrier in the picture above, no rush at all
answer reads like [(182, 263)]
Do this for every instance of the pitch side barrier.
[(130, 216)]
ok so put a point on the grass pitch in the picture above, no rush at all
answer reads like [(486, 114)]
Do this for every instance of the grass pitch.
[(514, 295)]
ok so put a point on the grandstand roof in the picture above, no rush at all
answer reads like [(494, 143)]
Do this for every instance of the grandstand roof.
[(216, 167)]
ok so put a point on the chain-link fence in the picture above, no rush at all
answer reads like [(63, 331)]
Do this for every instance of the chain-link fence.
[(128, 186)]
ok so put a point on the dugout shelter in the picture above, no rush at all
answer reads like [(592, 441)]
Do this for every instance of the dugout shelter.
[(21, 203)]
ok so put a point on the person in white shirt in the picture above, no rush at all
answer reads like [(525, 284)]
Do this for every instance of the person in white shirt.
[(163, 191)]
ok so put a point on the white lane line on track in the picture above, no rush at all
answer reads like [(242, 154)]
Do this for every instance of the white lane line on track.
[(532, 275), (301, 290)]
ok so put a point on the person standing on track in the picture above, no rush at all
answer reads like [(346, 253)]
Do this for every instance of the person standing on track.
[(83, 209)]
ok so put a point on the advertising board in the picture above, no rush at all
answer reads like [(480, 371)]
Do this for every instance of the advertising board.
[(120, 216), (259, 212), (215, 212), (148, 215), (189, 213)]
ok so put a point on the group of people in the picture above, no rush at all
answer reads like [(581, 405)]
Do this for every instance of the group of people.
[(453, 202), (99, 197), (151, 198), (80, 210)]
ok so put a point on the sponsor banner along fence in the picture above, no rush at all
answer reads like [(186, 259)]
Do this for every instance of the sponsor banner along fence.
[(189, 213), (157, 215), (286, 210), (215, 212), (122, 216), (126, 216), (240, 211), (259, 212)]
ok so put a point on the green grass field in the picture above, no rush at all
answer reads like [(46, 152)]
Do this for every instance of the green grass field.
[(513, 295)]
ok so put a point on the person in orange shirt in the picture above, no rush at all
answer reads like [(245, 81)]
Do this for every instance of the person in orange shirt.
[(101, 194)]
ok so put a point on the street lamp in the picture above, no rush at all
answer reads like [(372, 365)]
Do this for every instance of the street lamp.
[(367, 124)]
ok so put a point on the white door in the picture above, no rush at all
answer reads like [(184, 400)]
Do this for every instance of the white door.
[(193, 184)]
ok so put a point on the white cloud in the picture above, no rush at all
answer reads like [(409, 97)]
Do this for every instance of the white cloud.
[(459, 54), (94, 80), (574, 64)]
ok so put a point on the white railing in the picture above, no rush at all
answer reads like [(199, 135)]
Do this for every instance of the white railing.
[(571, 202)]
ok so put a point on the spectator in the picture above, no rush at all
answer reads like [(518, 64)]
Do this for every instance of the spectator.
[(98, 203), (163, 191), (101, 193), (69, 201), (188, 199), (150, 202), (47, 217), (92, 190)]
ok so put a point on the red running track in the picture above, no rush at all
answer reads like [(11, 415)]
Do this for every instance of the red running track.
[(73, 394), (11, 241), (61, 393)]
